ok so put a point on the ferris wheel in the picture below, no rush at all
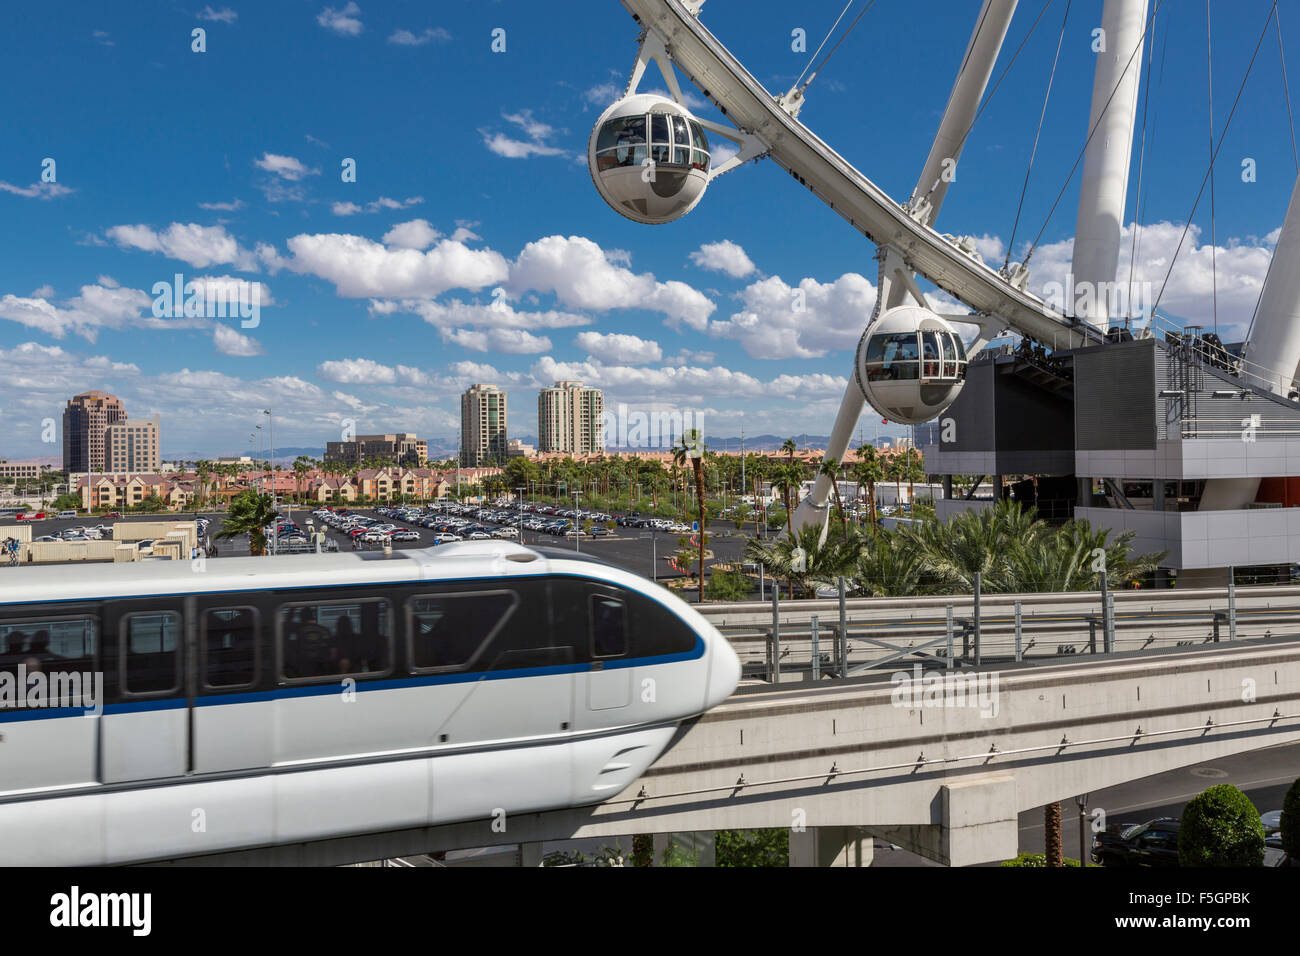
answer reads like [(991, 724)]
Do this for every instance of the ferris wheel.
[(651, 160)]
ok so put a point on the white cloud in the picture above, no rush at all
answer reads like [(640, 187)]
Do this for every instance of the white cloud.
[(99, 306), (200, 246), (619, 349), (407, 38), (781, 322), (36, 190), (357, 371), (416, 234), (230, 289), (581, 276), (224, 15), (536, 144), (361, 268), (383, 202), (102, 37), (44, 292), (230, 342), (343, 22), (223, 206), (345, 209), (507, 341), (286, 167), (724, 256), (498, 314)]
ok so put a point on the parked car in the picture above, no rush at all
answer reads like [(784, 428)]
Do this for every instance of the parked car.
[(406, 534), (1143, 844)]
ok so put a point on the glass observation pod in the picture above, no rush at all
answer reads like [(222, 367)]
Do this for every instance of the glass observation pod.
[(911, 365), (649, 158)]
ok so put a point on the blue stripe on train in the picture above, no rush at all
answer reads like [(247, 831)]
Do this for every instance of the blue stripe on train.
[(380, 684)]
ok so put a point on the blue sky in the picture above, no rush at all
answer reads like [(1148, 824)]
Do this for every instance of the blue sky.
[(470, 167)]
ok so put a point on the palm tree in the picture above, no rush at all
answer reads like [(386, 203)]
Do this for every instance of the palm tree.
[(888, 567), (1052, 825), (824, 561), (249, 514), (691, 447), (830, 468), (301, 465), (868, 470)]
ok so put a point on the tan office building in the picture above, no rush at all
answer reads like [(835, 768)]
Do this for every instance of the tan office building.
[(482, 426), (85, 421), (569, 419), (131, 446), (404, 449)]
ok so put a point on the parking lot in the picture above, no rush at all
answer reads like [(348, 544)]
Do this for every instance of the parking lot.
[(630, 548)]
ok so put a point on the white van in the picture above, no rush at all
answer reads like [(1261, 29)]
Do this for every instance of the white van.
[(66, 514)]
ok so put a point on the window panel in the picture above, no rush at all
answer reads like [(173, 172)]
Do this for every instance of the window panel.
[(230, 646), (149, 652), (449, 631), (322, 641), (48, 643), (608, 626)]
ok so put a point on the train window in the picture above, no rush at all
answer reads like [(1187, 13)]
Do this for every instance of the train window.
[(657, 631), (150, 646), (608, 626), (66, 644), (448, 631), (229, 647), (325, 641)]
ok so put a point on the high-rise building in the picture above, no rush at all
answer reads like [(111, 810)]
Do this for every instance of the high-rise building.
[(482, 425), (85, 421), (569, 419), (403, 449), (131, 445)]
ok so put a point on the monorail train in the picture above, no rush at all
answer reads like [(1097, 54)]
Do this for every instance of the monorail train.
[(251, 702)]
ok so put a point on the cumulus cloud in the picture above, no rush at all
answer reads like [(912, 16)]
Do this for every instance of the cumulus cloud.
[(230, 342), (223, 206), (498, 314), (344, 22), (383, 202), (581, 276), (36, 190), (416, 234), (724, 256), (362, 268), (407, 38), (778, 321), (357, 371), (345, 209), (507, 341), (102, 305), (200, 246), (286, 167), (536, 144), (619, 349), (224, 15)]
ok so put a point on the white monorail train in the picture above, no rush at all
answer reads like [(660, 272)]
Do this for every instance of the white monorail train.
[(251, 702)]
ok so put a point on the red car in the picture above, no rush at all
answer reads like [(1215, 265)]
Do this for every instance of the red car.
[(113, 514)]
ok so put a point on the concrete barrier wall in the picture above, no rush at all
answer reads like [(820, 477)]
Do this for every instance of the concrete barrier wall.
[(23, 532), (40, 552)]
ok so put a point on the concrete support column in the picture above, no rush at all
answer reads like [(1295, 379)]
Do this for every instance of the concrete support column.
[(530, 854), (947, 487), (999, 492), (831, 846), (978, 823)]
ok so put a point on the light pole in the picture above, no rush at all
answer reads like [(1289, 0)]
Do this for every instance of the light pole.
[(577, 522), (654, 557), (519, 506), (270, 464)]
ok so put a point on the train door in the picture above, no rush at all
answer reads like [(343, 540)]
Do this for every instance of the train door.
[(234, 707), (145, 728), (594, 618), (49, 697)]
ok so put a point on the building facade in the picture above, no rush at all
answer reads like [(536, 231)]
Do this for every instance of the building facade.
[(21, 469), (404, 449), (131, 445), (85, 422), (569, 419), (482, 426)]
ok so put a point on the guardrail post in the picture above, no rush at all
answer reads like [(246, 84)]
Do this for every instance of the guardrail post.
[(1217, 617), (1105, 616), (843, 656), (1110, 624), (775, 644), (1232, 606), (1092, 635), (977, 619), (816, 650), (1019, 653), (950, 637)]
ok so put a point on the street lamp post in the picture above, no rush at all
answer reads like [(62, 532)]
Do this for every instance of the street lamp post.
[(519, 506), (577, 522)]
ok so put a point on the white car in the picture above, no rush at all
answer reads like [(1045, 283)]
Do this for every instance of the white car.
[(446, 538), (479, 536), (506, 533)]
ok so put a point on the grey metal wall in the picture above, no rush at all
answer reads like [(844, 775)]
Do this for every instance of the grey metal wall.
[(1115, 396)]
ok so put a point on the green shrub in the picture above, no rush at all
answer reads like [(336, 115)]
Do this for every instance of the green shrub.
[(1221, 827), (1036, 859), (736, 848), (1291, 821), (728, 586)]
